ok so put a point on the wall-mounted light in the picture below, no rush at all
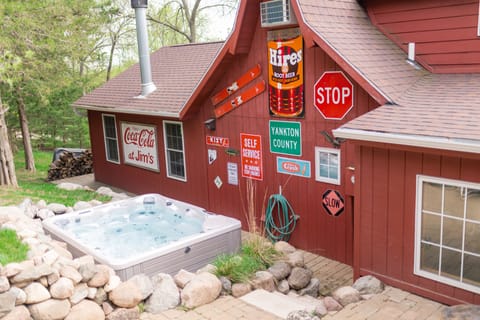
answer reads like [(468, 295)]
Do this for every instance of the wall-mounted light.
[(210, 124)]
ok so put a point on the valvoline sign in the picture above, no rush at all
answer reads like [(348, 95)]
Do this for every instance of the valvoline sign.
[(294, 167)]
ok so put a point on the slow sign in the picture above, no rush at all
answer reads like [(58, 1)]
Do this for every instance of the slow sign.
[(333, 202), (333, 95)]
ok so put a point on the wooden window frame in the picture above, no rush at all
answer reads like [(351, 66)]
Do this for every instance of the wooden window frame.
[(105, 138), (465, 186), (167, 150), (320, 178)]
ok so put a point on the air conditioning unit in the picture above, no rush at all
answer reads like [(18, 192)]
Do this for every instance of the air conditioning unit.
[(276, 13)]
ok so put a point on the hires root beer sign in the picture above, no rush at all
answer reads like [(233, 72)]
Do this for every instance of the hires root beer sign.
[(140, 145), (285, 73)]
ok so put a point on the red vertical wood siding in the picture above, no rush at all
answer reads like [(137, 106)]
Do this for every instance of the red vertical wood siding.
[(316, 231), (386, 214), (445, 32), (138, 180)]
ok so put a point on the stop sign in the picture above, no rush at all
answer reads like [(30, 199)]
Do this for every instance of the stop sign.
[(333, 95)]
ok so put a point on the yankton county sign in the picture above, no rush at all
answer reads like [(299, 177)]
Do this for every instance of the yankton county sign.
[(285, 137)]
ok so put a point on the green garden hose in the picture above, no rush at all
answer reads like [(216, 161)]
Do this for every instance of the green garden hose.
[(280, 226)]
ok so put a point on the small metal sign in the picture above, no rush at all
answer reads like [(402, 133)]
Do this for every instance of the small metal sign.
[(285, 137), (294, 167), (333, 202)]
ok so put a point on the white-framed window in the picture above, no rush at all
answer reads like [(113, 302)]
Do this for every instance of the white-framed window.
[(174, 150), (110, 137), (327, 165), (447, 232)]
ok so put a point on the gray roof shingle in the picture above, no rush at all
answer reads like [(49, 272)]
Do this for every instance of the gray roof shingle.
[(176, 71)]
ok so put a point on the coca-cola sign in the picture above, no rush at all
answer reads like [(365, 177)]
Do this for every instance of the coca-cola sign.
[(140, 145)]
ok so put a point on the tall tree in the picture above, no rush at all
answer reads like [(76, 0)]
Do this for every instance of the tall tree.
[(188, 18), (53, 40)]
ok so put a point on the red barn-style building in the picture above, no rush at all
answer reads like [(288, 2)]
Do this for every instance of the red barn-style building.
[(362, 114)]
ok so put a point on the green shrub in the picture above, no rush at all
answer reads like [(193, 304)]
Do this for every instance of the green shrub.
[(11, 248), (256, 254)]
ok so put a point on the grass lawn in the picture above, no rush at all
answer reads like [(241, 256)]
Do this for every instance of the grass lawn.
[(35, 186)]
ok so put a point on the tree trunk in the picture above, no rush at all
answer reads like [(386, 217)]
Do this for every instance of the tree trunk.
[(7, 165), (110, 57), (27, 144)]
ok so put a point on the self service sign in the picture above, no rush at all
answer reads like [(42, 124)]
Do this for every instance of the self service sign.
[(285, 137), (251, 156)]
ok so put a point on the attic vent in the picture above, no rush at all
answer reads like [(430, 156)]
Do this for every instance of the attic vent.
[(276, 13)]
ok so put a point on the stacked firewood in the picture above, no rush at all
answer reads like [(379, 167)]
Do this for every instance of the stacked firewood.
[(70, 165)]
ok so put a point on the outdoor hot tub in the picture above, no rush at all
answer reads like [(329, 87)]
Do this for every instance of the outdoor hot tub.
[(147, 234)]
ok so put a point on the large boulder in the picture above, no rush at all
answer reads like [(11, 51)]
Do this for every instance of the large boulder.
[(36, 293), (86, 310), (32, 273), (7, 302), (263, 280), (202, 289), (183, 277), (346, 295), (124, 314), (299, 278), (62, 289), (165, 294), (280, 270), (368, 285), (101, 276), (126, 295), (241, 289), (18, 313), (51, 309), (461, 312)]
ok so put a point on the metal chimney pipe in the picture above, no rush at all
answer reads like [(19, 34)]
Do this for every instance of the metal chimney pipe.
[(140, 7)]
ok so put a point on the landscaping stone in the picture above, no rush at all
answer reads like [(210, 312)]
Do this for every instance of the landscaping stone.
[(461, 312), (32, 273), (86, 310), (62, 289), (284, 247), (280, 270), (113, 282), (51, 309), (332, 304), (368, 285), (80, 292), (124, 314), (183, 277), (346, 295), (20, 295), (202, 289), (263, 280), (4, 284), (18, 313), (101, 277), (299, 278), (57, 208), (7, 302), (107, 308), (165, 294), (283, 287), (143, 283), (126, 295), (81, 205), (302, 315), (87, 271), (241, 289), (296, 259), (69, 186), (311, 289), (100, 295), (36, 293), (71, 273), (226, 285)]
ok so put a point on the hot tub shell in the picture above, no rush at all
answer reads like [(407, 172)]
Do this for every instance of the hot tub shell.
[(222, 236)]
